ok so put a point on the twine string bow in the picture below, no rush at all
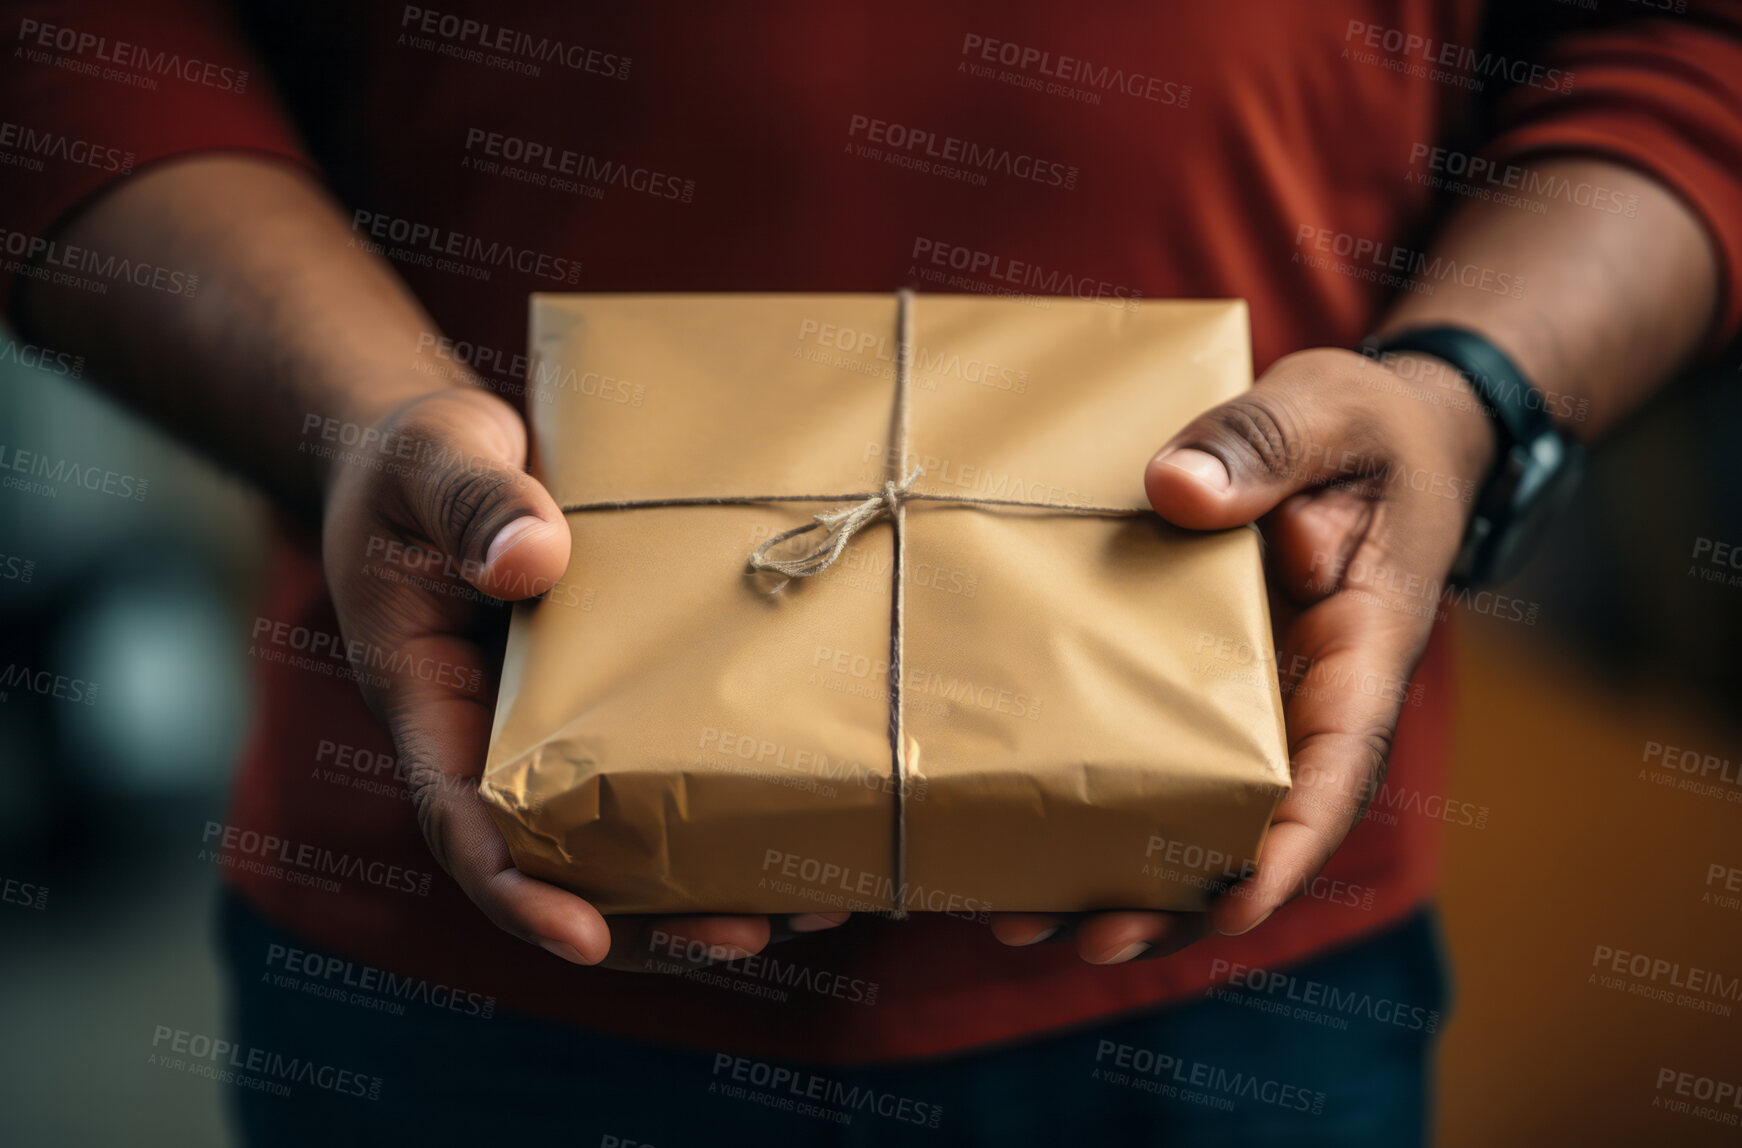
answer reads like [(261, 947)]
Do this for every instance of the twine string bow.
[(838, 528)]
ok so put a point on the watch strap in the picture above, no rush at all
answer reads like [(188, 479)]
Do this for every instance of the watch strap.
[(1535, 465)]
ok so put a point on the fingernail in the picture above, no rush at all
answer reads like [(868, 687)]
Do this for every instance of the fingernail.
[(1242, 932), (1134, 949), (562, 949), (1043, 935), (509, 535), (1204, 467), (815, 922)]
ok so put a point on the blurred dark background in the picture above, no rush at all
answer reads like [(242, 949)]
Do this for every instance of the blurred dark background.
[(103, 799)]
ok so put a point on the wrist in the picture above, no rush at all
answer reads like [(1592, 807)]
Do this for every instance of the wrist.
[(1448, 407)]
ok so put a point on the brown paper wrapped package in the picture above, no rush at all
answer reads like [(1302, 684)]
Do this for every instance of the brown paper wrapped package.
[(1089, 704)]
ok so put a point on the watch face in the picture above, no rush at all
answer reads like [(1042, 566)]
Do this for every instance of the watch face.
[(1548, 472)]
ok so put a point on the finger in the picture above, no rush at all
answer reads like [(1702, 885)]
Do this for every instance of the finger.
[(1359, 650), (479, 506), (468, 845), (1021, 929), (1313, 535), (1114, 938), (672, 944), (815, 922), (462, 494), (1237, 461), (679, 944), (803, 924), (440, 737)]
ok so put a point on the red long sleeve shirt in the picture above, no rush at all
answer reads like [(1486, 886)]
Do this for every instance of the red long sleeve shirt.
[(1281, 152)]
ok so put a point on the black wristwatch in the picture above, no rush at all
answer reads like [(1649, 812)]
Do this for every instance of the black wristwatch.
[(1536, 467)]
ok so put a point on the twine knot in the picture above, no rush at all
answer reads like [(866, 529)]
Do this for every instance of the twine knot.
[(838, 528)]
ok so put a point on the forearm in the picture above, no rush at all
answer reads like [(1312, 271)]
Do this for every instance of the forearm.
[(1608, 306), (291, 323)]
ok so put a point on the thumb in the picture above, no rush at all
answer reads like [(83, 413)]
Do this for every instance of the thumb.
[(476, 502), (1236, 462)]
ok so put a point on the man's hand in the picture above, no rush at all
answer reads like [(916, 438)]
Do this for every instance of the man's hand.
[(1362, 481), (425, 533)]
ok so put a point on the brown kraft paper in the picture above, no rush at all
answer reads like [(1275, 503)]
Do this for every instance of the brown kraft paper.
[(1089, 702)]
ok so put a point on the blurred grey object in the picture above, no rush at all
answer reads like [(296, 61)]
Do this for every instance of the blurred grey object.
[(106, 790)]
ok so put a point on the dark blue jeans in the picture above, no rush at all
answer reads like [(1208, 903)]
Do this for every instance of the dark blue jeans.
[(1334, 1051)]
